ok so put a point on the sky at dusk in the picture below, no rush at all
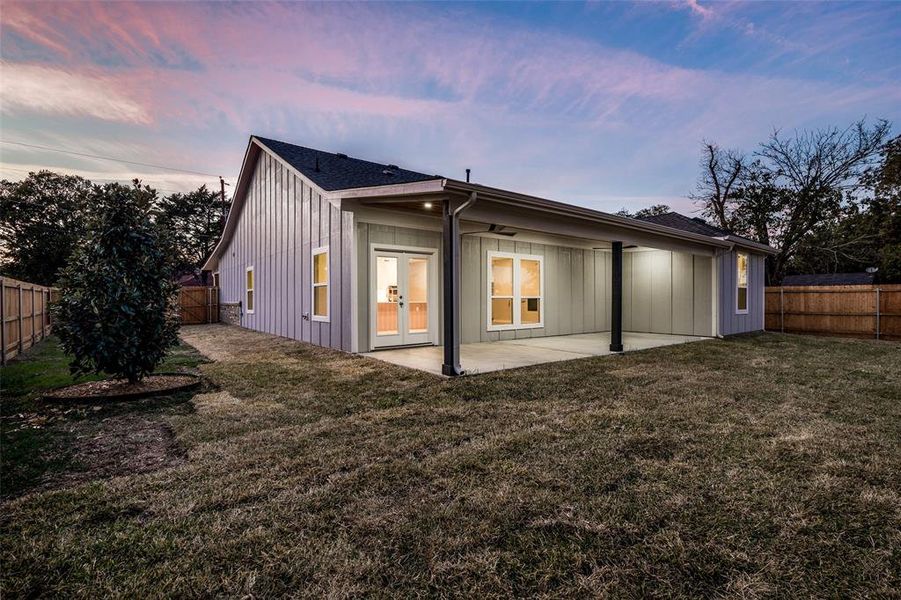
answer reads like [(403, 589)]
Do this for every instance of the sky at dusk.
[(599, 104)]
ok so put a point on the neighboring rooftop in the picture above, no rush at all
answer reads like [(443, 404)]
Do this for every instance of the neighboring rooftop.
[(693, 225), (335, 171), (830, 279)]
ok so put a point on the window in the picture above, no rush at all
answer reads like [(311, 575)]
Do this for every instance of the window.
[(741, 283), (248, 294), (216, 279), (320, 284), (515, 291)]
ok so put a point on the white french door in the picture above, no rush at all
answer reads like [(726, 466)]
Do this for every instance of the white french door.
[(402, 298)]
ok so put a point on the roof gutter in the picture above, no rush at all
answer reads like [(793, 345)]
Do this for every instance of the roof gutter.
[(743, 243), (472, 200), (560, 208)]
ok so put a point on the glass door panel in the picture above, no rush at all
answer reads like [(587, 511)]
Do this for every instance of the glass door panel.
[(418, 295), (387, 296), (401, 294)]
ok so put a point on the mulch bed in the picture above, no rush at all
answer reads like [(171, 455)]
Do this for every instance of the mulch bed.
[(120, 389)]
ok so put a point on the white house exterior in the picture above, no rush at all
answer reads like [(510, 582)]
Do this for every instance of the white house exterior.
[(361, 256)]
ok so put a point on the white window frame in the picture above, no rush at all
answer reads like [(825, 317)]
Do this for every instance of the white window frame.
[(743, 311), (253, 289), (517, 291), (328, 285), (216, 279)]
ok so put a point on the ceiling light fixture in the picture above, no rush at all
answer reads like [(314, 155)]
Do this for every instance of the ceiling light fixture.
[(427, 205)]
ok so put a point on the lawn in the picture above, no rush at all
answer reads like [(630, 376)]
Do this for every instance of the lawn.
[(755, 466), (40, 442)]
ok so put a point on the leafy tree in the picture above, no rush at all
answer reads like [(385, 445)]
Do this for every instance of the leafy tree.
[(867, 230), (115, 313), (194, 221), (792, 188), (41, 220), (651, 211)]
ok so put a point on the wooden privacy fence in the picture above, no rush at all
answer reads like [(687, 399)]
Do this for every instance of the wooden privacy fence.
[(872, 311), (26, 318), (198, 305)]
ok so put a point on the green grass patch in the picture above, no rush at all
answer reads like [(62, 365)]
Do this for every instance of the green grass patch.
[(36, 440)]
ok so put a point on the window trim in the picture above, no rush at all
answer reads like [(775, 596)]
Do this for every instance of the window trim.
[(253, 289), (517, 291), (313, 285), (747, 286), (216, 279)]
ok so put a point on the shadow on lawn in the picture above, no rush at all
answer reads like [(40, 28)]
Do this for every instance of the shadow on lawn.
[(53, 445)]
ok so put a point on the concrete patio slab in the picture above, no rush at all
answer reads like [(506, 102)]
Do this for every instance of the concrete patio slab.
[(510, 354)]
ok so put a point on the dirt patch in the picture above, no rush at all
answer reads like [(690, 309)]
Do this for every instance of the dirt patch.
[(119, 389), (117, 445)]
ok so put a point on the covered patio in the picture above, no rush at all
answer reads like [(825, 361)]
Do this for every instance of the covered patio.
[(485, 357)]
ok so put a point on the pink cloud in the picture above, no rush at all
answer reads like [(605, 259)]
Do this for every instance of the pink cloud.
[(445, 91), (41, 89)]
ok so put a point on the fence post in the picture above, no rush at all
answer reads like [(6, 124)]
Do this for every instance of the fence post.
[(877, 312), (2, 321), (19, 286), (32, 315), (782, 309)]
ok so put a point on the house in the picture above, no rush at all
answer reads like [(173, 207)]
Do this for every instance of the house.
[(830, 279), (361, 256)]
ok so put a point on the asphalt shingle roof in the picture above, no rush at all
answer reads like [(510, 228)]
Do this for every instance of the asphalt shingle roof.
[(830, 279), (339, 171), (677, 221)]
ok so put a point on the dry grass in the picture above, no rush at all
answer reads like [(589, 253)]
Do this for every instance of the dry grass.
[(758, 466)]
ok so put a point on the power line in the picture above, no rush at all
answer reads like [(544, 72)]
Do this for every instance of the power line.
[(119, 160)]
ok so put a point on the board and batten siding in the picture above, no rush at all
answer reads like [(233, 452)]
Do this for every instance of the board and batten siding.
[(576, 289), (663, 292), (667, 292), (283, 219), (732, 322)]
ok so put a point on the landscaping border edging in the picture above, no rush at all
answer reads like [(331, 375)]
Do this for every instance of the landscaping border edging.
[(197, 380)]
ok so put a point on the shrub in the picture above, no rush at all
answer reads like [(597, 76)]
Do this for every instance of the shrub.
[(116, 311)]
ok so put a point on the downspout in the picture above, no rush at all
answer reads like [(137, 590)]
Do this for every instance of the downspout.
[(451, 238)]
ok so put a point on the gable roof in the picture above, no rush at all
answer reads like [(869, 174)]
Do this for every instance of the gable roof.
[(334, 171), (354, 178), (830, 279)]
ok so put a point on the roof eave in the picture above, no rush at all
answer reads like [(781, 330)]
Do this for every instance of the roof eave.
[(749, 244), (583, 213)]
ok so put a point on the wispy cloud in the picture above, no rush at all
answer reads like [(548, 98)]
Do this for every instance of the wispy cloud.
[(33, 88), (431, 87)]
